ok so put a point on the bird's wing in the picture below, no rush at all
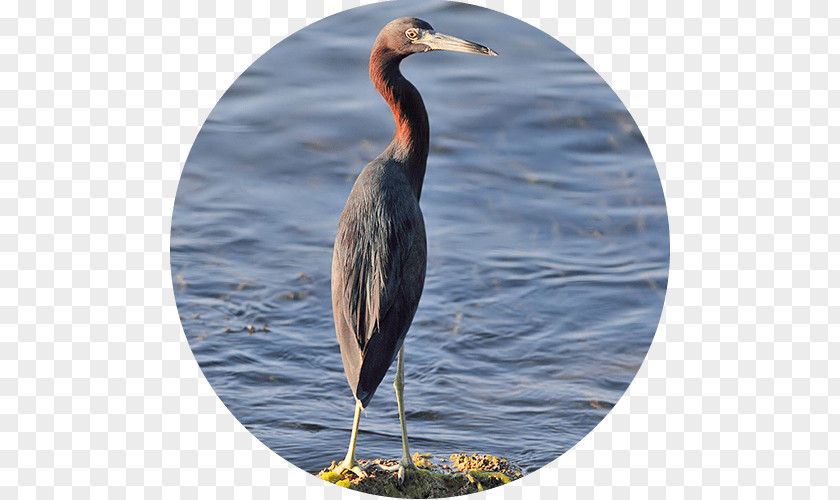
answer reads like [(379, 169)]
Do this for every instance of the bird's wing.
[(375, 239)]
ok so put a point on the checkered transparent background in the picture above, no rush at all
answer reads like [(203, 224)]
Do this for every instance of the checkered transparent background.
[(100, 394)]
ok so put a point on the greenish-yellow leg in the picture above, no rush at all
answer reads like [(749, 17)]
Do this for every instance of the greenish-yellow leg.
[(398, 387), (405, 462), (349, 463)]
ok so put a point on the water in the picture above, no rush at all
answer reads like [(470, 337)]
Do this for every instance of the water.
[(547, 242)]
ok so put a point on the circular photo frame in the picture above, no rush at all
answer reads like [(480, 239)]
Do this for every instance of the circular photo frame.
[(516, 249)]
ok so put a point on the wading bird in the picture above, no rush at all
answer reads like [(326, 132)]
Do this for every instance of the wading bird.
[(379, 258)]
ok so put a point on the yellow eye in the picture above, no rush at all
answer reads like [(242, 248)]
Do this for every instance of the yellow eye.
[(411, 34)]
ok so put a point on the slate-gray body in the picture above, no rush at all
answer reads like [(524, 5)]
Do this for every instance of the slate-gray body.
[(380, 258)]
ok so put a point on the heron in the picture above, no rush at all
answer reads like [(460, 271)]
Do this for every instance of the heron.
[(379, 257)]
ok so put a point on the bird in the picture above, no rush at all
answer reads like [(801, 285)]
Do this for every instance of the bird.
[(379, 257)]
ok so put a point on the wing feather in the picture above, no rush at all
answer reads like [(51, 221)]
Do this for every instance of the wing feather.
[(372, 246), (378, 262)]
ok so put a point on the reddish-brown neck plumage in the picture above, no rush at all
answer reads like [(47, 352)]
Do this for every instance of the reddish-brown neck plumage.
[(410, 145)]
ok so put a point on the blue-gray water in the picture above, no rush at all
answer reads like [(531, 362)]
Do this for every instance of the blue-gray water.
[(547, 241)]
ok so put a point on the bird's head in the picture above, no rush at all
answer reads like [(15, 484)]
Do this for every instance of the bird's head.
[(408, 35)]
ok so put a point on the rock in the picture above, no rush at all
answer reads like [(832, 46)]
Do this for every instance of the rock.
[(466, 474)]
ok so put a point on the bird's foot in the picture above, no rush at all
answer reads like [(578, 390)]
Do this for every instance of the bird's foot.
[(400, 468), (352, 466)]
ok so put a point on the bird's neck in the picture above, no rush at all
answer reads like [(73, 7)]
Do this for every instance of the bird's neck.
[(410, 146)]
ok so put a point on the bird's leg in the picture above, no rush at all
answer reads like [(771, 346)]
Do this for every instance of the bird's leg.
[(398, 387), (406, 463), (349, 463)]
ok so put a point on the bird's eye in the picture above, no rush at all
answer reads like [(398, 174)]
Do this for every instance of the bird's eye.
[(411, 34)]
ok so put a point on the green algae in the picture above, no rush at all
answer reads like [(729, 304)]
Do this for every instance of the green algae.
[(331, 476)]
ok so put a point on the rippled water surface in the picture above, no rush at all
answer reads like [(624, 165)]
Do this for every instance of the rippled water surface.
[(547, 242)]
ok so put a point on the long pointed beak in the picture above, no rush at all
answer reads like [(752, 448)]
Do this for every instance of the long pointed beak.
[(439, 41)]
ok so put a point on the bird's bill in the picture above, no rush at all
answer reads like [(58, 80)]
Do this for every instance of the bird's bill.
[(439, 41)]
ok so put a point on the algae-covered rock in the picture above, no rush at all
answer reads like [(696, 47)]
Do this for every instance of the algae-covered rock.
[(487, 464), (462, 475)]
